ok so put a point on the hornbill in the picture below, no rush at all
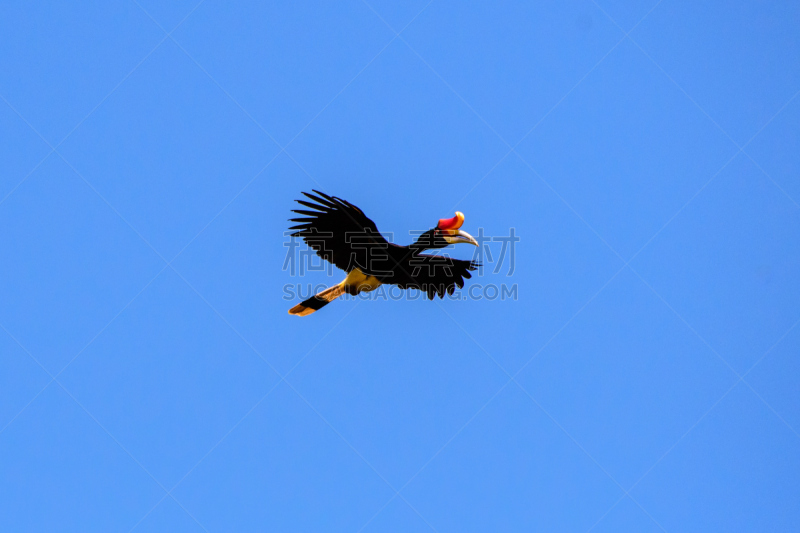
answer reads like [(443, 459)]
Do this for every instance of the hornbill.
[(341, 233)]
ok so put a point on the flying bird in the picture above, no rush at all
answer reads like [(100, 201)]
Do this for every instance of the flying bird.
[(342, 234)]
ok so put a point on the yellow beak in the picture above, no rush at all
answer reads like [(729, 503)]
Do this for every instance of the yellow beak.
[(457, 236)]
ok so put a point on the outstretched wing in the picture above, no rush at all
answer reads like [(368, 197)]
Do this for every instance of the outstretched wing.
[(438, 274), (338, 231)]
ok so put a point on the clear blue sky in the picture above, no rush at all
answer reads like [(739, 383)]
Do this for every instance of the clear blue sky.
[(646, 153)]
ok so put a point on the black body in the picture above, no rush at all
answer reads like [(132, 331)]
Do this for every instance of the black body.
[(342, 234)]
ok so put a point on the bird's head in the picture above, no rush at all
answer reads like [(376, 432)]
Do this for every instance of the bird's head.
[(446, 232)]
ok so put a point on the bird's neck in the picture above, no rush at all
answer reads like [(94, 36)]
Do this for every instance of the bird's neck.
[(424, 242), (419, 247)]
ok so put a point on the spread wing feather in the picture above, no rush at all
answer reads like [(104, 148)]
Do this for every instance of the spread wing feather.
[(436, 275), (336, 230)]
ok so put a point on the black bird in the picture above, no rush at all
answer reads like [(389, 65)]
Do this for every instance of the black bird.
[(341, 233)]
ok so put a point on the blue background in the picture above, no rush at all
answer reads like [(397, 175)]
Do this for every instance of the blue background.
[(646, 379)]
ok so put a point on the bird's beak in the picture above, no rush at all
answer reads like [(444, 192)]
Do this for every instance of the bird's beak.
[(455, 236)]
